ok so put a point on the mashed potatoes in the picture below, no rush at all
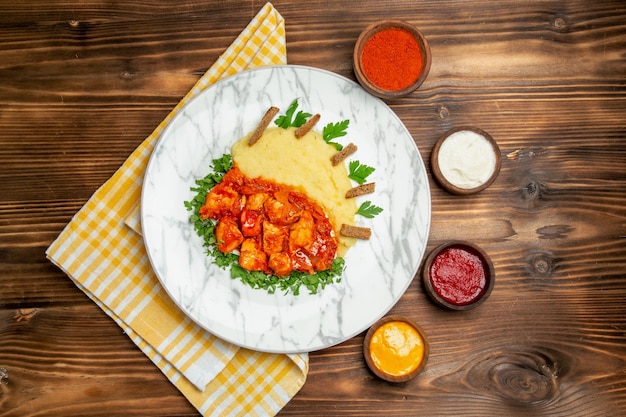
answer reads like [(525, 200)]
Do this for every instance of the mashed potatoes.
[(305, 163)]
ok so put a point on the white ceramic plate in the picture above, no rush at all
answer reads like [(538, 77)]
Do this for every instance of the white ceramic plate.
[(378, 271)]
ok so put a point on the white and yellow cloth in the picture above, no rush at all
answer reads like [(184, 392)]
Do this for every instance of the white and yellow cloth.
[(102, 251)]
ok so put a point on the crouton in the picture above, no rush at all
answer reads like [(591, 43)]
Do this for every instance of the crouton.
[(355, 231), (361, 190), (343, 154), (265, 121), (306, 127)]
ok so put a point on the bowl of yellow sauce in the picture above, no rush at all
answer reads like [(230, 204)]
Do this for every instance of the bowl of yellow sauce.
[(395, 349)]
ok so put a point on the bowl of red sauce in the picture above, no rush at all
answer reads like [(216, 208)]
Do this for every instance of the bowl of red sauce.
[(458, 275), (391, 58), (395, 348)]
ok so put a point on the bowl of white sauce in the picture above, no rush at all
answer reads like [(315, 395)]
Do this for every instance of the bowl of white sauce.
[(465, 160)]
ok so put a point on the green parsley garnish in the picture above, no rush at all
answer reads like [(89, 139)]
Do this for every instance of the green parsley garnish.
[(335, 130), (367, 209), (286, 121), (291, 283), (255, 279), (359, 172), (204, 229)]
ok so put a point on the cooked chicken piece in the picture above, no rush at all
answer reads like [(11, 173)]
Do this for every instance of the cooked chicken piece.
[(280, 263), (222, 200), (301, 262), (281, 212), (252, 257), (322, 252), (234, 176), (275, 238), (251, 221), (302, 232), (255, 201), (228, 235)]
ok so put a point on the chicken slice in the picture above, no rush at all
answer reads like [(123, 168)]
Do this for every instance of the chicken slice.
[(255, 201), (251, 222), (228, 235), (275, 238), (301, 262), (301, 234), (281, 212), (221, 201), (252, 257), (280, 264)]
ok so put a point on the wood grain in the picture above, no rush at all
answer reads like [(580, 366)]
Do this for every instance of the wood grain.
[(82, 84), (91, 369)]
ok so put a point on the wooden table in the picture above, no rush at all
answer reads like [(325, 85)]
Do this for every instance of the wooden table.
[(83, 83)]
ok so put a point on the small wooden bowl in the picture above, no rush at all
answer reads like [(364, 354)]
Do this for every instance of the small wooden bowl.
[(367, 34), (490, 276), (381, 373), (454, 188)]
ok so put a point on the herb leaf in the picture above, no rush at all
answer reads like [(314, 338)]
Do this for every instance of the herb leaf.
[(286, 121), (335, 130), (301, 119), (223, 165), (359, 172), (368, 210)]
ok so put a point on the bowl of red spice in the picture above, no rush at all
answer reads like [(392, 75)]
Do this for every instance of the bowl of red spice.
[(458, 275), (391, 58)]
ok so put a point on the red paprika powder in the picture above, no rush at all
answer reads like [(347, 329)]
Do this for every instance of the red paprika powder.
[(392, 59)]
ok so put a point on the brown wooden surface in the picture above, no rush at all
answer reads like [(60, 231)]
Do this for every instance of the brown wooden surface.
[(83, 83)]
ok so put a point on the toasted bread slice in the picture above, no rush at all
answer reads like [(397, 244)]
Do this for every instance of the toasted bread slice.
[(306, 127), (361, 190), (343, 154), (355, 231), (265, 121)]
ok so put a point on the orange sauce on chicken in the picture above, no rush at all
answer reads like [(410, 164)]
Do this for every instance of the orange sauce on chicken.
[(275, 228)]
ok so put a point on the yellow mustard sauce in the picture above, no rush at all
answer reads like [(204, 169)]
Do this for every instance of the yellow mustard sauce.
[(397, 348)]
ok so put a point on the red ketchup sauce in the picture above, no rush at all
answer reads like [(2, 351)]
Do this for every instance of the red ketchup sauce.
[(458, 274)]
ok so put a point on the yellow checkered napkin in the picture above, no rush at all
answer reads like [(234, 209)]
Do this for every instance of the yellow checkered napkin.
[(107, 259)]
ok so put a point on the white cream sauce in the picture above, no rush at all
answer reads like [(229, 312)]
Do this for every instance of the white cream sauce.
[(466, 159)]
